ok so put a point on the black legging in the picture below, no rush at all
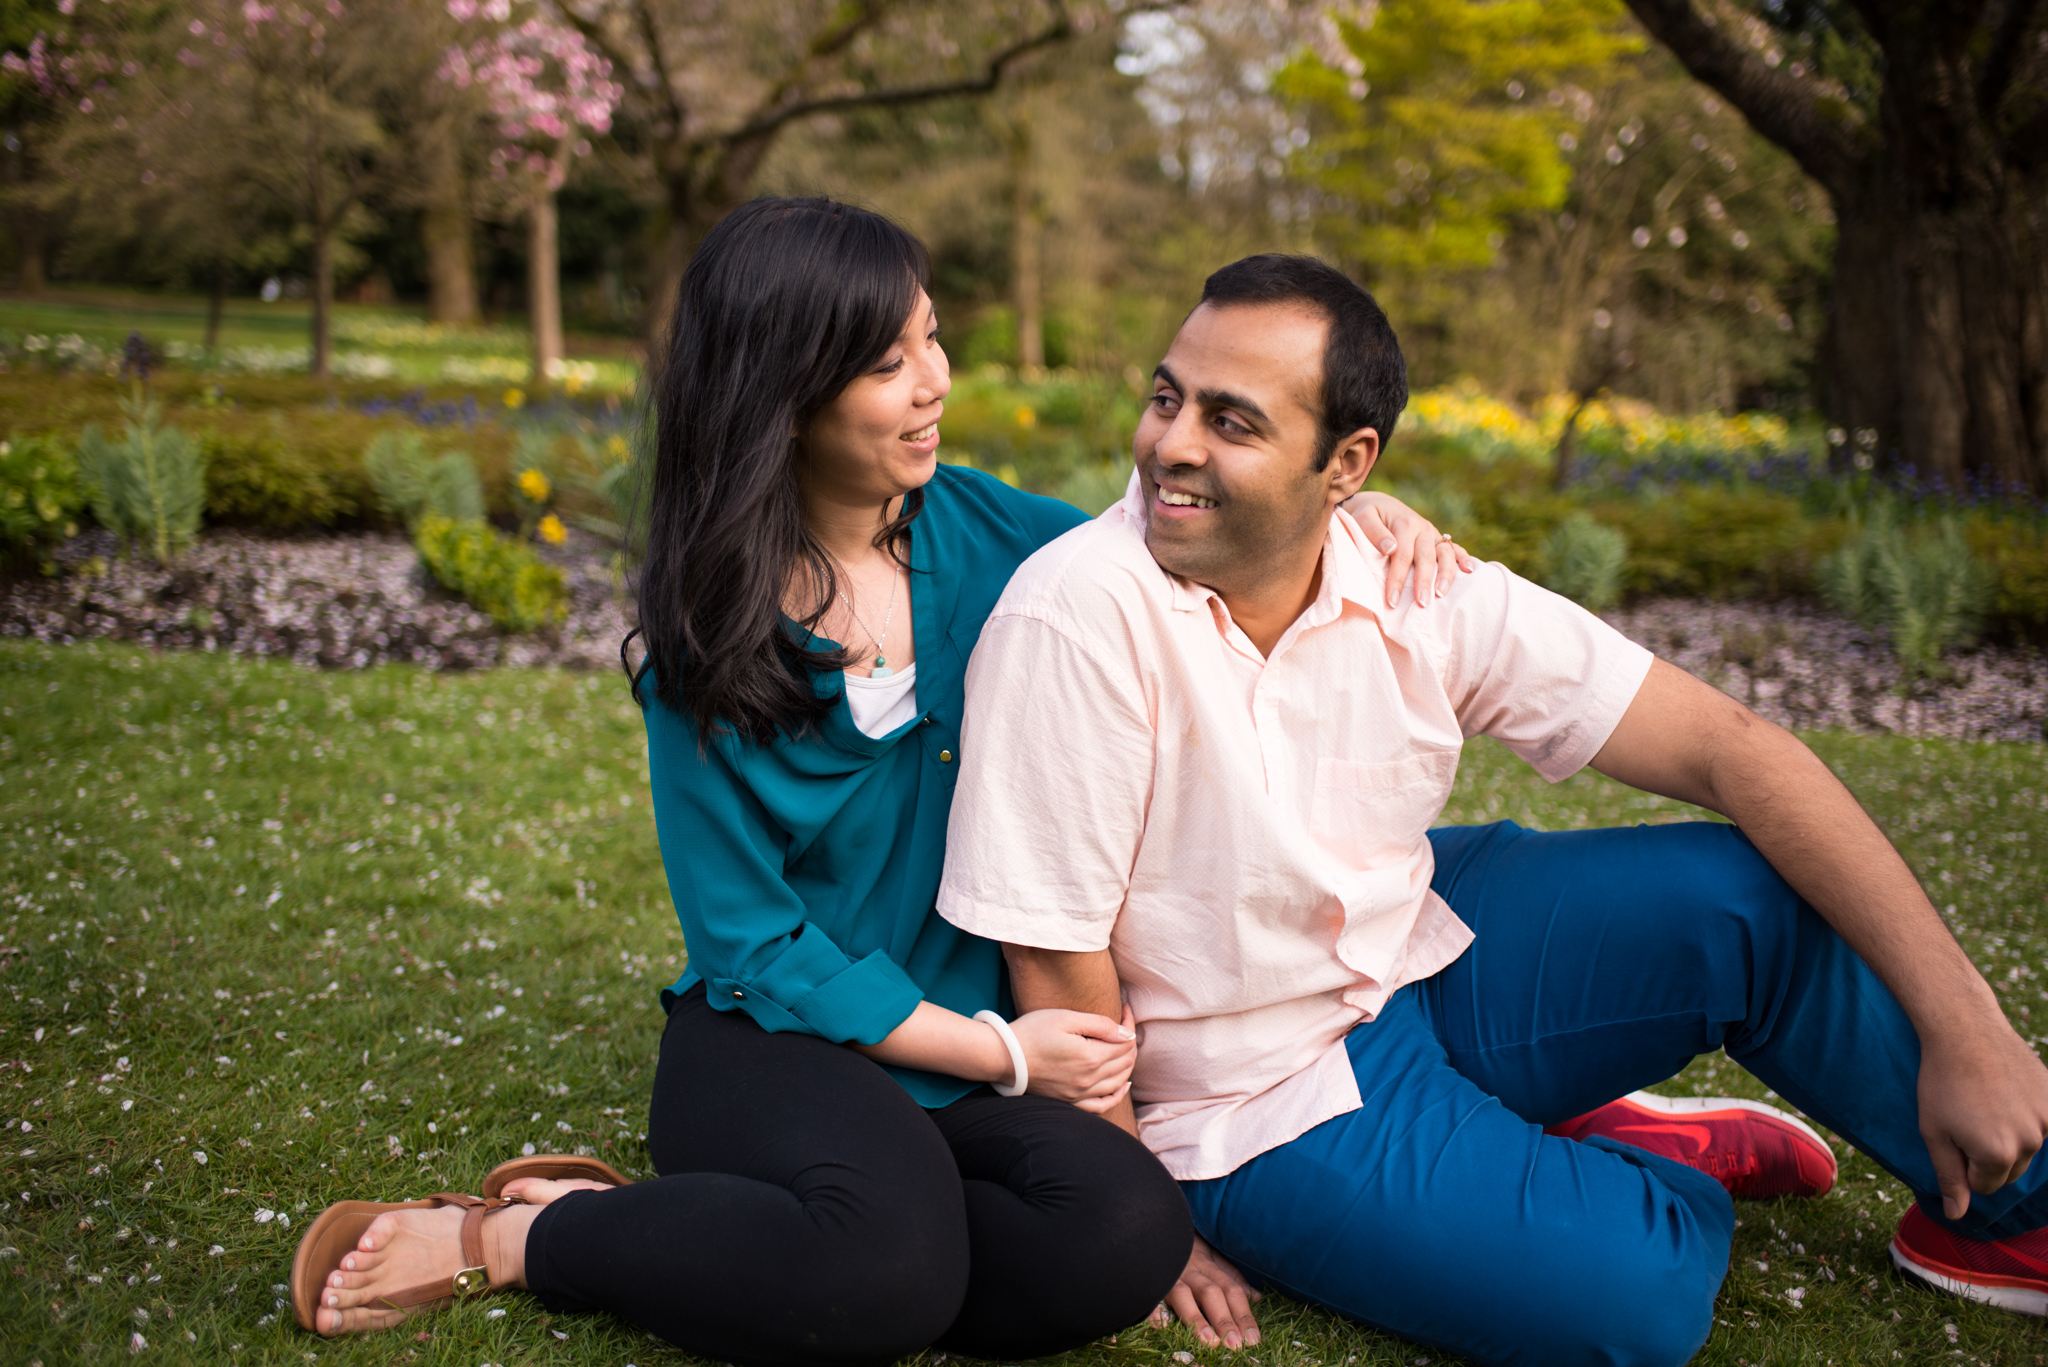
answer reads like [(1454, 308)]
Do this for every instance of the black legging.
[(810, 1214)]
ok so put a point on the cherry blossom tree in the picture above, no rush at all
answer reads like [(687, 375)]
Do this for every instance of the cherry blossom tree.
[(549, 91)]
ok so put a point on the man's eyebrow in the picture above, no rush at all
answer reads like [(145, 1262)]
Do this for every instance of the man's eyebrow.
[(1214, 398)]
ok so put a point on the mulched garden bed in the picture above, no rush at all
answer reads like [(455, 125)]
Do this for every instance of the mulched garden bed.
[(352, 601), (329, 602)]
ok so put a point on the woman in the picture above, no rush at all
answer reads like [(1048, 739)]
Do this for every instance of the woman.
[(846, 1175)]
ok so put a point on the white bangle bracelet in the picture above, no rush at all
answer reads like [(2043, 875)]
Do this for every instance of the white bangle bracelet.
[(1002, 1027)]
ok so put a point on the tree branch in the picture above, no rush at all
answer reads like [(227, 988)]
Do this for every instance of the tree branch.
[(659, 61), (830, 42), (603, 40), (1781, 107), (2008, 50), (1060, 30)]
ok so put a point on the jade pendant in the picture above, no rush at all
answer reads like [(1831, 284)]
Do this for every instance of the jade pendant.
[(881, 669)]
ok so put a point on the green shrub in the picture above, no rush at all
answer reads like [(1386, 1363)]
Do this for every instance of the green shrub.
[(2018, 553), (496, 574), (1928, 590), (148, 488), (41, 496), (1093, 488), (1583, 561), (262, 480), (1718, 541), (414, 485)]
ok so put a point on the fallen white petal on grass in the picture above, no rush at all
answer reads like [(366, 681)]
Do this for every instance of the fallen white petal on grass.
[(265, 1216)]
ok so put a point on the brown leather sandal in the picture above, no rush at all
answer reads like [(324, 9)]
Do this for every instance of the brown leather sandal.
[(556, 1167), (340, 1227)]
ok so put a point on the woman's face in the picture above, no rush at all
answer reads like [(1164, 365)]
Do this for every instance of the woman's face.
[(877, 441)]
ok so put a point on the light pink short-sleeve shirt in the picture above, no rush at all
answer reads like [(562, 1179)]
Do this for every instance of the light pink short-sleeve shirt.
[(1247, 835)]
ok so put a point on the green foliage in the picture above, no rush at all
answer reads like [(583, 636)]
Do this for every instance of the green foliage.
[(617, 478), (41, 496), (414, 485), (263, 480), (1438, 135), (1583, 560), (497, 574), (2018, 552), (1041, 432), (1718, 541), (1928, 590), (148, 488)]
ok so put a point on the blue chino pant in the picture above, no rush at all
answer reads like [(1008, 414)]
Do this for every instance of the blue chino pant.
[(1603, 962)]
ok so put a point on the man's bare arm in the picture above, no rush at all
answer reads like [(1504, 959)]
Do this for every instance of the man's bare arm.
[(1042, 978), (1983, 1093), (1211, 1297)]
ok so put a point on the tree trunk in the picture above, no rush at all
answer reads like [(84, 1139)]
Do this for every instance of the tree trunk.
[(1026, 284), (445, 234), (216, 301), (544, 286), (1934, 356), (31, 252), (323, 297)]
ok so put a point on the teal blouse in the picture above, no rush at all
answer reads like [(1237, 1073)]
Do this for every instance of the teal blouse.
[(805, 873)]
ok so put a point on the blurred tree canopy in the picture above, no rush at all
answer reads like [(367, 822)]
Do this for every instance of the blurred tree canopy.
[(1429, 139), (1544, 197)]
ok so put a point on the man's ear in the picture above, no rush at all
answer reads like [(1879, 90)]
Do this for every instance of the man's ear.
[(1351, 462)]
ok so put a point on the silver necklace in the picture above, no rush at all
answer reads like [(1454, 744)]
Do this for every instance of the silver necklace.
[(881, 669)]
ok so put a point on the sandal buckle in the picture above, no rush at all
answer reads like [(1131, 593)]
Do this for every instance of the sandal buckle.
[(471, 1281)]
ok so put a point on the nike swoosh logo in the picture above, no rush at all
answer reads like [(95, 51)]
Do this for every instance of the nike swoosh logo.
[(1698, 1134)]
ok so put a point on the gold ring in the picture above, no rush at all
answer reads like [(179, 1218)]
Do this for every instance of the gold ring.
[(1443, 537)]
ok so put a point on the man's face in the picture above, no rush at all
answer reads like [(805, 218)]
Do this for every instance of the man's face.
[(1226, 448)]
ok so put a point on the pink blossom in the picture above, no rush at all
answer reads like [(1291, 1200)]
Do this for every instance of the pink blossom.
[(197, 28)]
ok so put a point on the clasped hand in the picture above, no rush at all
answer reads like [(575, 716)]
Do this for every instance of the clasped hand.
[(1078, 1056)]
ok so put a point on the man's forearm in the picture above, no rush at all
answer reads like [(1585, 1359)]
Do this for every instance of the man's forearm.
[(1042, 978), (1813, 832)]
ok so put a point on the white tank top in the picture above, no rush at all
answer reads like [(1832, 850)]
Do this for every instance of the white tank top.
[(879, 706)]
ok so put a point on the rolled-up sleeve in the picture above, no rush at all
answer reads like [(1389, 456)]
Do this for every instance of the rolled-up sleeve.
[(1536, 671), (743, 924)]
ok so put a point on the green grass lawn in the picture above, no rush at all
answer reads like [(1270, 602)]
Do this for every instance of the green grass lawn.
[(397, 343), (269, 939)]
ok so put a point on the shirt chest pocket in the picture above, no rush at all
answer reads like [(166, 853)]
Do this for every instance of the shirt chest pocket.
[(1370, 815)]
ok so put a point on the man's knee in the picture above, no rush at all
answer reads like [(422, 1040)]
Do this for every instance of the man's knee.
[(1634, 1312)]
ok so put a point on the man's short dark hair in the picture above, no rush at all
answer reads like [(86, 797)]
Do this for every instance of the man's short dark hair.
[(1365, 379)]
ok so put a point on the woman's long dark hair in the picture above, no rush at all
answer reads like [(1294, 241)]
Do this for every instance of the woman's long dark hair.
[(785, 303)]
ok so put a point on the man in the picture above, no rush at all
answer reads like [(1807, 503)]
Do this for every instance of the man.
[(1201, 755)]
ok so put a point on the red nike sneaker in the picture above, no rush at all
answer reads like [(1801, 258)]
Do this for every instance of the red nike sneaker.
[(2009, 1273), (1756, 1151)]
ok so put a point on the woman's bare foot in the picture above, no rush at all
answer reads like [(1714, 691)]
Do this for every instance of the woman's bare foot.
[(540, 1191), (403, 1249)]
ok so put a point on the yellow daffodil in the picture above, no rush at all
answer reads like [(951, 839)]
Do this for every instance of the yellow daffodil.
[(1027, 418), (552, 531), (534, 485)]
